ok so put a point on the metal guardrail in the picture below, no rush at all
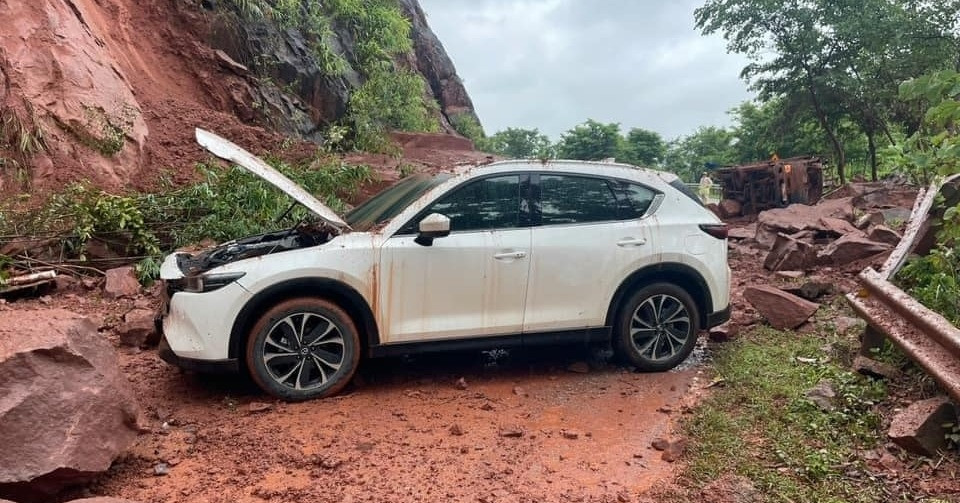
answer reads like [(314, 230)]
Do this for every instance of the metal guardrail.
[(716, 192), (924, 335)]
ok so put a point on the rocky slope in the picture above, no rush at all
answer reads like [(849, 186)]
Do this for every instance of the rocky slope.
[(110, 90)]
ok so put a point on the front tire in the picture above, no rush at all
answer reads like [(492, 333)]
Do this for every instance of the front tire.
[(303, 348), (657, 327)]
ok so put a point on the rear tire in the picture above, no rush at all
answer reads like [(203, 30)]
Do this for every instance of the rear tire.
[(656, 327), (303, 348)]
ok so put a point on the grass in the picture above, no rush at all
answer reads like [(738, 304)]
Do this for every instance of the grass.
[(760, 425)]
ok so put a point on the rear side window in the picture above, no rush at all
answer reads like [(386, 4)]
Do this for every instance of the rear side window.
[(566, 199), (638, 200), (682, 187)]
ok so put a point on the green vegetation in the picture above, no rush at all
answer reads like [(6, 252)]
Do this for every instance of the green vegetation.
[(833, 65), (759, 424), (931, 153), (390, 96), (518, 143), (224, 204)]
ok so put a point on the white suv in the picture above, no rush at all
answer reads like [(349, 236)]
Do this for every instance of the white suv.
[(515, 253)]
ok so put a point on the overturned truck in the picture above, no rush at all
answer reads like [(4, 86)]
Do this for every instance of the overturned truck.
[(751, 188)]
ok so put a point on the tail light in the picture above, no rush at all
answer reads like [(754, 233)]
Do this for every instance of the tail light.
[(718, 231)]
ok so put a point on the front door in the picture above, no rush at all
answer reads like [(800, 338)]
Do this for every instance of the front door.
[(470, 283)]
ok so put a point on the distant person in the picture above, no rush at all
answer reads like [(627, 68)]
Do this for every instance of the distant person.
[(705, 184)]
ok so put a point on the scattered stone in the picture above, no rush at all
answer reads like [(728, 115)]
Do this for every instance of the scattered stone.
[(850, 248), (255, 407), (456, 430), (579, 367), (570, 434), (517, 390), (791, 274), (730, 208), (231, 64), (800, 217), (838, 227), (513, 432), (822, 395), (674, 451), (731, 489), (486, 406), (789, 253), (884, 234), (741, 233), (161, 469), (920, 427), (812, 290), (46, 300), (665, 409), (138, 329), (88, 283), (102, 499), (65, 282), (660, 444), (781, 309), (461, 384), (875, 218), (121, 282), (724, 333), (74, 410), (875, 369)]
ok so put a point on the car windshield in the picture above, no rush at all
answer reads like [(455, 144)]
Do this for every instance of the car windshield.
[(391, 201)]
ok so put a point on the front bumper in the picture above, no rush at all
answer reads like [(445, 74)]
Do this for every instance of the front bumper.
[(230, 365), (718, 318)]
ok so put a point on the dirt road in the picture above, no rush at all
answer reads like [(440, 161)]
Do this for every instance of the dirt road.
[(526, 428)]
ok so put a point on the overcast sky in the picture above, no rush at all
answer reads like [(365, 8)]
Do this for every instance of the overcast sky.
[(552, 64)]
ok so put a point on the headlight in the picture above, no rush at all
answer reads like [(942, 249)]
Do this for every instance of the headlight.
[(210, 282)]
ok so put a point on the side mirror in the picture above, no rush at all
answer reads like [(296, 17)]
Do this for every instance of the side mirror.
[(431, 227)]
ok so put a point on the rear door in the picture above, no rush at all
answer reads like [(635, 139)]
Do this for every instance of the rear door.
[(470, 283), (588, 235)]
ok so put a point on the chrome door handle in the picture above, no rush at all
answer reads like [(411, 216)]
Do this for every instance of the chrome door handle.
[(510, 255), (625, 242)]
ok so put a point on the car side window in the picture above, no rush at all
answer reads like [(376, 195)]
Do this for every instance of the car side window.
[(568, 199), (639, 199), (490, 203)]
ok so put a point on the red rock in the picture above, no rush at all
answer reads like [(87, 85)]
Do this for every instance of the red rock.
[(730, 208), (919, 428), (789, 253), (838, 226), (674, 451), (850, 248), (884, 234), (873, 368), (65, 402), (723, 333), (748, 232), (138, 329), (781, 309), (799, 217), (121, 282)]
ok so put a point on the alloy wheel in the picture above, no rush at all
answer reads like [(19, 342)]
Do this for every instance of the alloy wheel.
[(303, 351), (660, 327)]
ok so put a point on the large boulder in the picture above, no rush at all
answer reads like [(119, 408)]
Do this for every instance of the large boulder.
[(789, 254), (850, 248), (920, 428), (781, 309), (800, 217), (121, 282), (66, 411)]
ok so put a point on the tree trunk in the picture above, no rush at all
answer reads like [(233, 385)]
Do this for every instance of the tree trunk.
[(872, 148), (834, 140)]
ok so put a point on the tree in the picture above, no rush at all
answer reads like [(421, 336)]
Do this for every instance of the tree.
[(643, 148), (707, 148), (842, 58), (591, 141), (518, 143)]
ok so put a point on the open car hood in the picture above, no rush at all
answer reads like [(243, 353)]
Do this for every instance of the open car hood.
[(226, 150)]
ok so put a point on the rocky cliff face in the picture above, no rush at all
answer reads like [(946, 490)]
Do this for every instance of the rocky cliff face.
[(110, 90)]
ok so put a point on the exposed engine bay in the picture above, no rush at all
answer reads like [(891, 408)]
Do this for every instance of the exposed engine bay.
[(301, 236)]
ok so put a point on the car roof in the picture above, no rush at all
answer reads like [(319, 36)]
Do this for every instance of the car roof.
[(603, 168)]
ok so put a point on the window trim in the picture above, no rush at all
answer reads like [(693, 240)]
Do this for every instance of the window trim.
[(612, 182), (525, 217)]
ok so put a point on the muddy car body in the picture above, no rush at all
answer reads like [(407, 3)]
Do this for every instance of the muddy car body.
[(507, 254)]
